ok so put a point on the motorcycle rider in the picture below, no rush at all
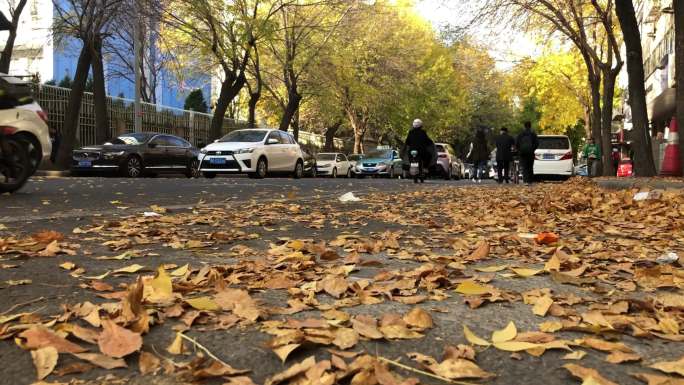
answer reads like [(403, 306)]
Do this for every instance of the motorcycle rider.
[(419, 140)]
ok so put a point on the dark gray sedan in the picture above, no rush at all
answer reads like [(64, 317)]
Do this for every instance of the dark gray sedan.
[(137, 154)]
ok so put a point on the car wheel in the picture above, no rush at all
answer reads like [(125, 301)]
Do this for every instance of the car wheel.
[(209, 175), (34, 151), (334, 173), (447, 175), (134, 167), (193, 169), (261, 168), (299, 170)]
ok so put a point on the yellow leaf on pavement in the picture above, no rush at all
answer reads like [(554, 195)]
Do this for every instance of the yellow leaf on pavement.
[(68, 265), (541, 307), (506, 334), (526, 273), (654, 379), (284, 351), (620, 357), (516, 346), (458, 368), (576, 355), (553, 264), (45, 360), (550, 326), (587, 375), (491, 269), (471, 288), (203, 303), (181, 271), (176, 346), (129, 269), (474, 339), (161, 286)]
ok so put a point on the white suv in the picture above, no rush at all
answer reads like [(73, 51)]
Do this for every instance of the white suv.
[(27, 121), (255, 152)]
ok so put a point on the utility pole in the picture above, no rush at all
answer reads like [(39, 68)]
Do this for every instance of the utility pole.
[(137, 47)]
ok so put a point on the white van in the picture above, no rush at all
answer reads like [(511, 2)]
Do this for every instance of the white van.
[(554, 156)]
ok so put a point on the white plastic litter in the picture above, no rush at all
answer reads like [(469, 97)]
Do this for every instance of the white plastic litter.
[(667, 258), (349, 197), (148, 214), (647, 195)]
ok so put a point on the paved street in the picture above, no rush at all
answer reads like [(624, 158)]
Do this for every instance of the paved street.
[(269, 272)]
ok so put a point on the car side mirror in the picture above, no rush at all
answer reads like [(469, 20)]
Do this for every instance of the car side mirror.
[(272, 141)]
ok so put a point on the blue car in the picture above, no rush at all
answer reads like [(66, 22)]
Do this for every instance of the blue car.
[(382, 162)]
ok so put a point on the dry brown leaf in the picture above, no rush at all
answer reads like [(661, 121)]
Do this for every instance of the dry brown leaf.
[(620, 357), (116, 341), (41, 337), (217, 369), (576, 355), (102, 360), (541, 307), (176, 346), (367, 327), (395, 331), (148, 363), (482, 252), (292, 371), (419, 319), (587, 374), (45, 360), (653, 379), (239, 380), (605, 346), (284, 351), (335, 286), (671, 366), (455, 369), (345, 338)]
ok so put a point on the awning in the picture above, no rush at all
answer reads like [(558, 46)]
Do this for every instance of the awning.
[(663, 107)]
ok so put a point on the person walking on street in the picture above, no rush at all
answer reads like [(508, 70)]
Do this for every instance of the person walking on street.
[(592, 154), (419, 140), (479, 155), (527, 143), (504, 155)]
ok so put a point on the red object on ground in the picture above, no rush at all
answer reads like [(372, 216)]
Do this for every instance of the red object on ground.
[(547, 238), (671, 164), (625, 169)]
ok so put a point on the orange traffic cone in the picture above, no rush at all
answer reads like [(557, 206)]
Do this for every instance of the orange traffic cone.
[(671, 164)]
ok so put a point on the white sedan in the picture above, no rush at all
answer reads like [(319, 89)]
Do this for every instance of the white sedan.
[(554, 156), (333, 165), (255, 152)]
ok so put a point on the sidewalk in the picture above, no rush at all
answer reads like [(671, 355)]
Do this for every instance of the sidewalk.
[(660, 183)]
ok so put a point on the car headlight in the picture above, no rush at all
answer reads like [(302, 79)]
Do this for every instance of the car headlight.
[(382, 164), (203, 151), (245, 151), (110, 155)]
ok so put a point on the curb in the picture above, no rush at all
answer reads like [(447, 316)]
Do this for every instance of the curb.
[(52, 173)]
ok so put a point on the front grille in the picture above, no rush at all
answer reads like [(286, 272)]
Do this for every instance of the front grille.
[(370, 164), (229, 165), (220, 152), (85, 155)]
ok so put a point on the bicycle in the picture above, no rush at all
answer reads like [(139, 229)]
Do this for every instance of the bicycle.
[(514, 172)]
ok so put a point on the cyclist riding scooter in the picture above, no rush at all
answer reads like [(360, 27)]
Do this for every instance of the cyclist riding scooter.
[(420, 149)]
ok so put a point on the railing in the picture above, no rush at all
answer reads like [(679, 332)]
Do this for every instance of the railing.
[(193, 126), (666, 46)]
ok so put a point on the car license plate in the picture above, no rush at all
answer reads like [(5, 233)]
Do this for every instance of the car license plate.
[(414, 165), (217, 160), (549, 157), (85, 163)]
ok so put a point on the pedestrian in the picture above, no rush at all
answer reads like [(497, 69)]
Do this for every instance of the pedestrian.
[(527, 143), (56, 139), (504, 155), (592, 154), (615, 158), (479, 156), (419, 140)]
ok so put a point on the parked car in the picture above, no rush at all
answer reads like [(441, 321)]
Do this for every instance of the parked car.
[(448, 164), (333, 165), (380, 162), (554, 157), (27, 118), (137, 154), (309, 164), (255, 152), (354, 160)]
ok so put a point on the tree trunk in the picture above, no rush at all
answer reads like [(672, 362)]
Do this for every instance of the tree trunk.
[(643, 162), (595, 119), (99, 93), (230, 88), (292, 106), (74, 108), (6, 57), (607, 121), (253, 101), (330, 136), (679, 70)]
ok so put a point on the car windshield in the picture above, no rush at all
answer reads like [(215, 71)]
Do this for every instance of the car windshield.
[(382, 154), (554, 143), (245, 136), (130, 139), (355, 158), (325, 157)]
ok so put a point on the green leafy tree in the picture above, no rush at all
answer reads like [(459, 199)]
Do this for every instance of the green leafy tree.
[(66, 82), (195, 102)]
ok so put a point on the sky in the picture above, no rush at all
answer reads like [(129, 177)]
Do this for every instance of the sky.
[(506, 47)]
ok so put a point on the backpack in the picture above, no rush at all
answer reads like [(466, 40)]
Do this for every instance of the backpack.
[(526, 145)]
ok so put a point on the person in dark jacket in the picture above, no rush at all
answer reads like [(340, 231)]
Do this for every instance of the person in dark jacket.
[(527, 143), (504, 155), (479, 155), (419, 140)]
